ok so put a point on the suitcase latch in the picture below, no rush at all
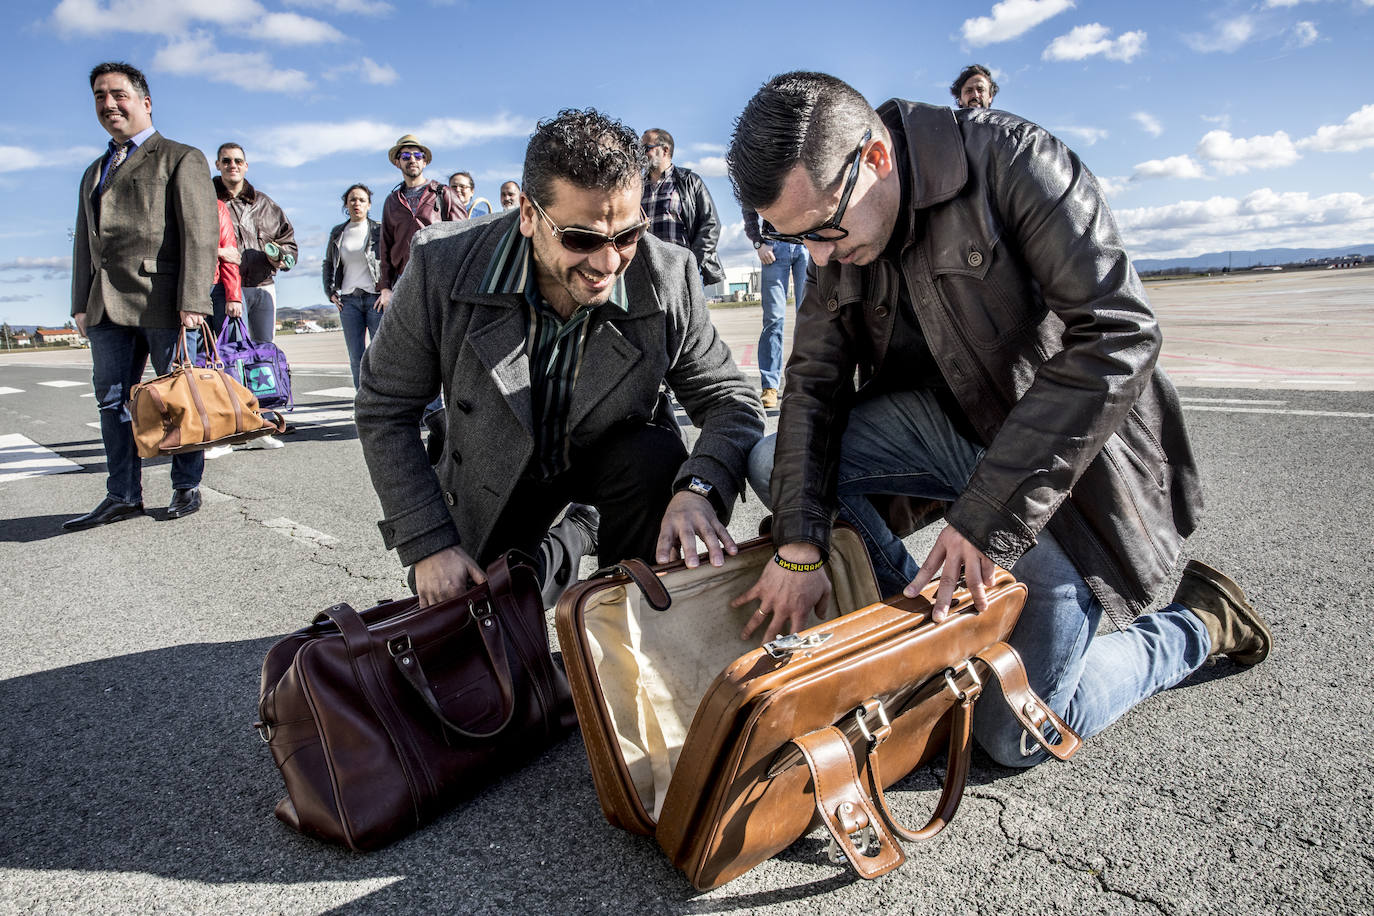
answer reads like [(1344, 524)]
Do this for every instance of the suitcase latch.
[(784, 646)]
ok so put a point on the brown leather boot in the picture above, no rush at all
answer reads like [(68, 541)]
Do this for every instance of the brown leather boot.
[(1235, 627)]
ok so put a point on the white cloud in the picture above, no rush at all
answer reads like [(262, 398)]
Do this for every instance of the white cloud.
[(1087, 40), (1222, 120), (1148, 123), (295, 29), (1304, 34), (151, 17), (371, 72), (1089, 135), (360, 7), (708, 147), (196, 55), (1011, 19), (1356, 133), (20, 159), (708, 166), (1270, 4), (1236, 155), (296, 144), (1113, 187), (55, 263), (1262, 219), (1228, 36), (1173, 167)]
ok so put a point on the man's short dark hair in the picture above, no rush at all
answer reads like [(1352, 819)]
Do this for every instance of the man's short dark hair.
[(467, 175), (805, 118), (968, 73), (586, 149), (659, 135), (135, 75), (229, 144)]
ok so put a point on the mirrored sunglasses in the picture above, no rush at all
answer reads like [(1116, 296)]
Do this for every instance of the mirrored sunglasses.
[(407, 156)]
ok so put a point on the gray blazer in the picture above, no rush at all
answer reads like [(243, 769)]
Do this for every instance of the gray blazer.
[(149, 251), (442, 329)]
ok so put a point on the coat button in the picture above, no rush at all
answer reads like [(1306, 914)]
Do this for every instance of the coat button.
[(456, 456), (975, 258), (832, 304), (449, 497)]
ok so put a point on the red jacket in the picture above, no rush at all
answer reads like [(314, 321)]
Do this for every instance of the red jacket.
[(438, 203), (227, 272)]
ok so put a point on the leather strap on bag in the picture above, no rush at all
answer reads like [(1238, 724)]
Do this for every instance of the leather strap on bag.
[(1031, 711), (639, 572), (844, 807)]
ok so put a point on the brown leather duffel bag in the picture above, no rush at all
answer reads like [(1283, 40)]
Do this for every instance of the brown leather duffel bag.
[(383, 720), (193, 408), (727, 759)]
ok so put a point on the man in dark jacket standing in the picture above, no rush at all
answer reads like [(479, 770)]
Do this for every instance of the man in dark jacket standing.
[(412, 205), (679, 207), (966, 264)]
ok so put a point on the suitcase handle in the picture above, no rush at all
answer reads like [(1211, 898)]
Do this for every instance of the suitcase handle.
[(639, 572), (861, 825)]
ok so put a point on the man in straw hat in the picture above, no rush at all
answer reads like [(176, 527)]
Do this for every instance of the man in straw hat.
[(409, 207)]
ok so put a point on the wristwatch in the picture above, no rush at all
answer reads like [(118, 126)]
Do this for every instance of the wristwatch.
[(758, 245), (700, 487)]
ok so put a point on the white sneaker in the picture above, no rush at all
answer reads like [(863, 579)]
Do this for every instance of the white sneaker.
[(263, 442), (219, 451)]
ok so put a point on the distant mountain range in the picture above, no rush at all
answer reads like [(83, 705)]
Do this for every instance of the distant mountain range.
[(1239, 259)]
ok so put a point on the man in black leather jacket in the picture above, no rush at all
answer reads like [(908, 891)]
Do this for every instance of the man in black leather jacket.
[(679, 207), (966, 265)]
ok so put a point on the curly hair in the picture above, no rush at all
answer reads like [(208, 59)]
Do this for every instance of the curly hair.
[(586, 149), (968, 72)]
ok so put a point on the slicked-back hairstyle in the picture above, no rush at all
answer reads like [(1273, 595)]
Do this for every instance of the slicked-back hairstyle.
[(586, 149), (966, 74), (135, 75), (659, 135), (230, 144), (800, 118), (467, 175)]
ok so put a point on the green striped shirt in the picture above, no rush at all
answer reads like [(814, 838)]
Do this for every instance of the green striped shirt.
[(553, 345)]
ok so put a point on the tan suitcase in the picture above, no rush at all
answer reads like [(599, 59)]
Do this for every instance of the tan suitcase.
[(715, 746)]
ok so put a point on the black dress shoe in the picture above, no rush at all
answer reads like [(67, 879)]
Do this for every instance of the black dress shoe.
[(109, 510), (184, 502)]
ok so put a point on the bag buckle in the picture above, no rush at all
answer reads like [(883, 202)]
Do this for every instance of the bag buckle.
[(866, 842), (784, 646), (879, 735), (264, 731), (961, 694), (482, 613), (398, 645)]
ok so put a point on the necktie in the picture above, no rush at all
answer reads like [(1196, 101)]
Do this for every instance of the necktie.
[(117, 157)]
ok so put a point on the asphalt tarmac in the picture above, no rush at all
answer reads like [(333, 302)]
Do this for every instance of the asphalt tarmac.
[(132, 780)]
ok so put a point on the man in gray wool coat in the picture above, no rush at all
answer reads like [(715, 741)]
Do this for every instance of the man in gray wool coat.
[(552, 330)]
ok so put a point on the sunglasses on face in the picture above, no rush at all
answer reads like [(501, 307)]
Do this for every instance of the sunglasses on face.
[(831, 225), (227, 161), (585, 241), (407, 156)]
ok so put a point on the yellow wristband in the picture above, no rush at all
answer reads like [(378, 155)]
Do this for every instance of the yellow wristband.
[(797, 567)]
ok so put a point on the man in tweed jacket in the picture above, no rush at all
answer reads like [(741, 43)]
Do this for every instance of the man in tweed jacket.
[(551, 330)]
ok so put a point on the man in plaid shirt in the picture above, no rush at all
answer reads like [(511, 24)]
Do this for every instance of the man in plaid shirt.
[(679, 207)]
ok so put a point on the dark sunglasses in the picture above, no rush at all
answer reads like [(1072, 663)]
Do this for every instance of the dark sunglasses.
[(832, 224), (585, 241), (407, 156)]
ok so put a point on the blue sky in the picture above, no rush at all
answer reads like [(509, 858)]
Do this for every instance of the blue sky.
[(1212, 125)]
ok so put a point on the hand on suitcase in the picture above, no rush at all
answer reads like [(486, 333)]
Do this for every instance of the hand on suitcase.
[(446, 574), (953, 559), (687, 518), (786, 599)]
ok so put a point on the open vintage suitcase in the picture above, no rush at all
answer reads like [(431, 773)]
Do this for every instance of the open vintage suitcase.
[(716, 747)]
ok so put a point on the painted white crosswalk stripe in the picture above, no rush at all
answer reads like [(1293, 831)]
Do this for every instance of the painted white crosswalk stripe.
[(343, 392), (21, 457), (64, 383), (11, 390), (1221, 408), (298, 532), (1251, 402)]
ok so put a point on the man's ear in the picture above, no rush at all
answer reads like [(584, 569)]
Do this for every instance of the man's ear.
[(527, 217), (879, 156)]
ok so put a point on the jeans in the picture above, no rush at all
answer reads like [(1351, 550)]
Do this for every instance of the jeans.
[(118, 356), (904, 444), (360, 323), (260, 311), (788, 260)]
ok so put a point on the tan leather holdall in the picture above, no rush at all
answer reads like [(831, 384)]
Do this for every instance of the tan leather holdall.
[(728, 753), (193, 408)]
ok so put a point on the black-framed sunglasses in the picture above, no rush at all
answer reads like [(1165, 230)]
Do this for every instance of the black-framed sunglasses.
[(832, 224), (585, 241)]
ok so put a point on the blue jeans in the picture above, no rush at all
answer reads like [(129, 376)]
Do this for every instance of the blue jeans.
[(360, 323), (260, 311), (789, 260), (904, 444), (118, 357)]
